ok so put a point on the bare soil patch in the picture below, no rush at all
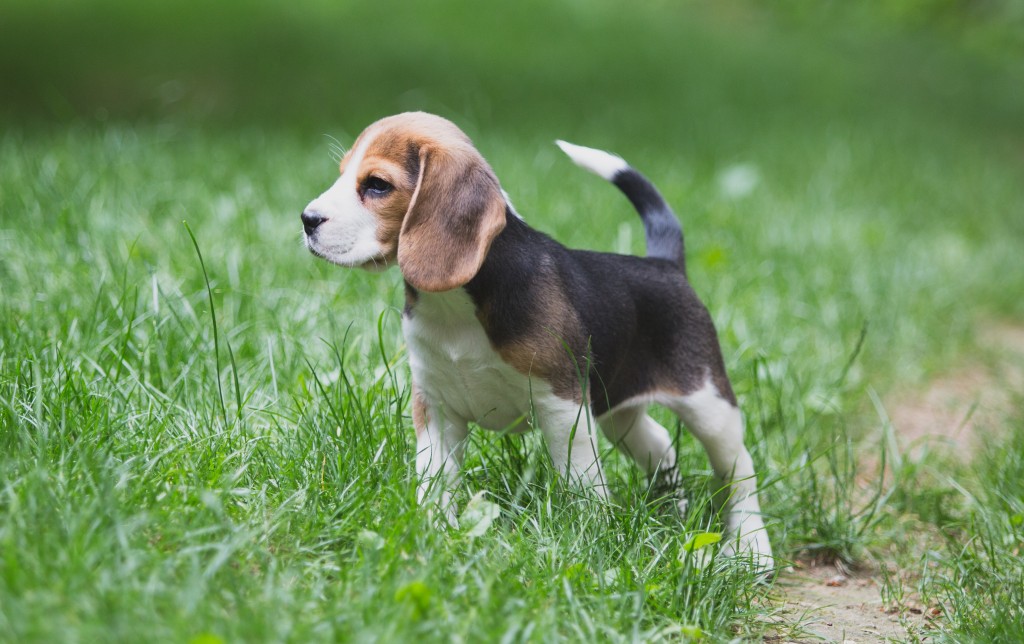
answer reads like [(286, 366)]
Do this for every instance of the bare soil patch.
[(837, 605), (951, 413)]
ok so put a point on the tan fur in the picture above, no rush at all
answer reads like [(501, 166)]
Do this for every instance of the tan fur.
[(441, 228), (547, 349), (456, 212), (420, 412)]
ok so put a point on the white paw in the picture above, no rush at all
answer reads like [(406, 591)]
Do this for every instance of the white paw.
[(440, 506), (668, 483), (749, 542), (682, 504)]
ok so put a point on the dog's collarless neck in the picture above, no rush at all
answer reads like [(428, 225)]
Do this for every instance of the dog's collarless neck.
[(507, 265)]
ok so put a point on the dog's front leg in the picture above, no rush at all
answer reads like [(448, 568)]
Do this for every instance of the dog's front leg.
[(571, 435), (440, 443)]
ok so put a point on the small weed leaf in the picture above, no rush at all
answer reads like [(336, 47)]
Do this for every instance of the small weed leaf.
[(611, 576), (418, 595), (692, 633), (701, 540), (1017, 520), (370, 540), (479, 515), (206, 638)]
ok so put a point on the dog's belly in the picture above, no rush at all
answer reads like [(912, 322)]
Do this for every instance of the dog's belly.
[(457, 370)]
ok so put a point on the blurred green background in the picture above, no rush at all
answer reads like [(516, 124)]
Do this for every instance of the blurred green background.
[(875, 129), (661, 69), (878, 147)]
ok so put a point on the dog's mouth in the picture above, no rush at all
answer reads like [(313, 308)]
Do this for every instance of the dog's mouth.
[(374, 263), (312, 249)]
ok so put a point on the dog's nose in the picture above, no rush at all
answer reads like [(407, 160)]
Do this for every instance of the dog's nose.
[(310, 220)]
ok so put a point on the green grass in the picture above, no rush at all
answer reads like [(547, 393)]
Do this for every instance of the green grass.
[(171, 471), (978, 575)]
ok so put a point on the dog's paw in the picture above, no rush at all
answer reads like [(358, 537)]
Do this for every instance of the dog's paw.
[(440, 507), (682, 503), (667, 487), (751, 546)]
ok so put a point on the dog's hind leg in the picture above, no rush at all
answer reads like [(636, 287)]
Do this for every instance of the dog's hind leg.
[(718, 425), (649, 444)]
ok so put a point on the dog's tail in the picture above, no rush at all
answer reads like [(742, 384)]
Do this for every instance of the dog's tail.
[(661, 227)]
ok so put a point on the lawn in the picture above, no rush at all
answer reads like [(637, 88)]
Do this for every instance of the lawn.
[(205, 433)]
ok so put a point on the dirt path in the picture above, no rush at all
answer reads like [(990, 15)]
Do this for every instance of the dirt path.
[(840, 607), (948, 414)]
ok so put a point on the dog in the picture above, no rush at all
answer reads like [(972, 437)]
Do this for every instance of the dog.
[(505, 326)]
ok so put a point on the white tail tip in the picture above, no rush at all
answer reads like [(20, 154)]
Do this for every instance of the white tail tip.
[(601, 163)]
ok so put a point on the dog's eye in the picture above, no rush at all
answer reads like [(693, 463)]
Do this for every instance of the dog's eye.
[(376, 187)]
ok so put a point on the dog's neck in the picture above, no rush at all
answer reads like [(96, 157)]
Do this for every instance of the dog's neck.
[(506, 265), (452, 308)]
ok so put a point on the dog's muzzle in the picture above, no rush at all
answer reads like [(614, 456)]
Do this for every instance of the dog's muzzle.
[(311, 219)]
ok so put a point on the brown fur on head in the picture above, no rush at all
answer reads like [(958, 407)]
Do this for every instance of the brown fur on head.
[(412, 189)]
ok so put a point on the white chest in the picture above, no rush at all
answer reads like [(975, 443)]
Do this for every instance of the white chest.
[(456, 369)]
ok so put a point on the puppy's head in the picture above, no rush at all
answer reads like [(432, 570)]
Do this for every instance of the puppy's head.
[(412, 189)]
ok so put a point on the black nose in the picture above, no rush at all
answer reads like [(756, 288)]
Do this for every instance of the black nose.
[(310, 220)]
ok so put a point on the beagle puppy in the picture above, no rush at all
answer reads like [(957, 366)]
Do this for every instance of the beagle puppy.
[(508, 329)]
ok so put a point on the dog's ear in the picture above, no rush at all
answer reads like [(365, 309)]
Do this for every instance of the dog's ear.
[(456, 211)]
